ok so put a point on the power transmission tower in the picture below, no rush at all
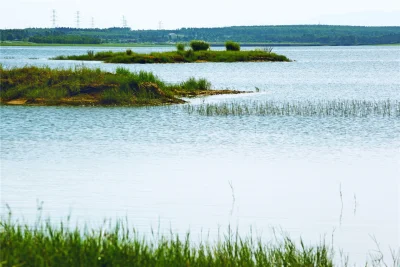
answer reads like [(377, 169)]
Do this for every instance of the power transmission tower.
[(77, 19), (124, 22), (53, 19), (160, 25), (92, 22)]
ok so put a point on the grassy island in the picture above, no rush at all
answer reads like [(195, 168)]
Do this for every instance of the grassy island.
[(84, 86), (199, 53)]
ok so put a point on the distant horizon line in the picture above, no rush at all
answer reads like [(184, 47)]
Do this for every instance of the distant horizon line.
[(149, 29)]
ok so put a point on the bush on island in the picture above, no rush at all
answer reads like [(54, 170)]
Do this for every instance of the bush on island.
[(197, 45), (232, 46), (180, 47)]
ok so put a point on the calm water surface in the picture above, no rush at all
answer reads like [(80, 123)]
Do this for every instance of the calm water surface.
[(162, 166)]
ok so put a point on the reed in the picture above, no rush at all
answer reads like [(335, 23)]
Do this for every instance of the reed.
[(47, 244), (322, 108)]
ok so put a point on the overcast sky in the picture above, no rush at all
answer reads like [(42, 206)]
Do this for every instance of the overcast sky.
[(205, 13)]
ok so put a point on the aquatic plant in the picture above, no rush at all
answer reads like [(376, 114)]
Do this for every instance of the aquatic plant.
[(339, 107), (44, 243), (232, 46), (199, 45)]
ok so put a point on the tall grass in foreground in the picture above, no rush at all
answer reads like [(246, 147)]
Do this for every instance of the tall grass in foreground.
[(48, 245), (339, 107)]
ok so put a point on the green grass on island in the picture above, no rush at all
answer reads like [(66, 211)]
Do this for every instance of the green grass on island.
[(84, 86), (201, 53), (48, 244)]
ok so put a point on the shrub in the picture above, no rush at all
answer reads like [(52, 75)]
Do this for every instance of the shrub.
[(268, 49), (197, 45), (180, 47), (232, 46), (128, 52)]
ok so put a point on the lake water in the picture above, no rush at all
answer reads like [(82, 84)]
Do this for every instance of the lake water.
[(311, 176)]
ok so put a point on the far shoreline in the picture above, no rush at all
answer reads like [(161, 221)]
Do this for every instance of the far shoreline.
[(172, 45)]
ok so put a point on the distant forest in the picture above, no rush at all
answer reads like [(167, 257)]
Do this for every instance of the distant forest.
[(277, 35)]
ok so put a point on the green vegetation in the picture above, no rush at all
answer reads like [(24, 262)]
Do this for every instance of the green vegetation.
[(179, 56), (129, 52), (198, 45), (269, 35), (341, 108), (46, 244), (64, 39), (23, 43), (180, 47), (232, 46), (83, 86), (193, 84)]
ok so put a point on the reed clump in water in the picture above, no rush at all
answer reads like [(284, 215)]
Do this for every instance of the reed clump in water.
[(339, 107), (48, 245)]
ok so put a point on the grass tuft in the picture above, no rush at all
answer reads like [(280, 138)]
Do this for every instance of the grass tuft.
[(193, 84)]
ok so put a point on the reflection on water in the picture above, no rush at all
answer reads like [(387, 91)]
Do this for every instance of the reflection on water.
[(163, 166)]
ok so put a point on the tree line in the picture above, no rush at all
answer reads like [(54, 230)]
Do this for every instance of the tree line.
[(287, 34)]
